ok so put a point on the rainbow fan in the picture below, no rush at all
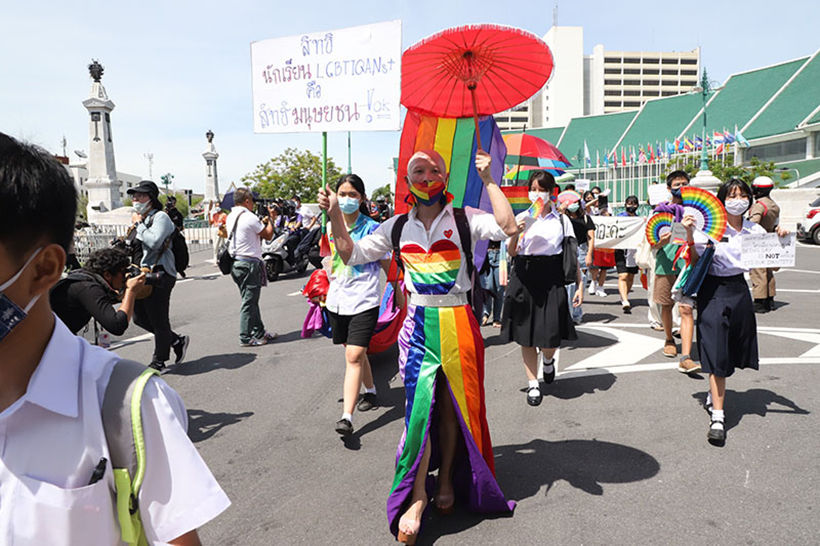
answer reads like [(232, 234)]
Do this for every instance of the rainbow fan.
[(658, 225), (710, 216)]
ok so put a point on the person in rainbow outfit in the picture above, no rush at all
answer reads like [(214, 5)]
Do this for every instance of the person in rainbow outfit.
[(441, 351)]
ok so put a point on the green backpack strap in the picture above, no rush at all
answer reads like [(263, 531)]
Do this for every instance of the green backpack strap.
[(122, 423)]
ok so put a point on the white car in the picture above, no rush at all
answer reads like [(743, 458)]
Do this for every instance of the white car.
[(809, 228)]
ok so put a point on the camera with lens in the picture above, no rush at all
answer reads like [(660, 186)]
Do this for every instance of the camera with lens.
[(151, 277)]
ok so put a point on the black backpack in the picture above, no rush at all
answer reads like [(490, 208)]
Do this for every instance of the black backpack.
[(476, 294), (179, 247)]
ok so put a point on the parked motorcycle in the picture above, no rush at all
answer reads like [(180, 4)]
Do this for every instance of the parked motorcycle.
[(277, 261)]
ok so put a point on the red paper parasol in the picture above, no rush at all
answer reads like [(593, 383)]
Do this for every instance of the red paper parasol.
[(524, 145), (473, 70)]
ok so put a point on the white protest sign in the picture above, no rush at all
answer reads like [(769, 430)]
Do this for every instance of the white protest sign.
[(619, 231), (678, 233), (339, 80), (767, 250), (581, 185), (658, 193)]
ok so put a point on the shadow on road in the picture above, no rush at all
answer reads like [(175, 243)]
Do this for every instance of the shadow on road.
[(524, 468), (752, 402), (202, 424), (599, 317), (391, 397), (575, 387), (207, 364)]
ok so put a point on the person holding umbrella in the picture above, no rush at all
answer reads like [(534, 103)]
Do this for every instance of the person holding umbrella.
[(536, 314), (441, 357)]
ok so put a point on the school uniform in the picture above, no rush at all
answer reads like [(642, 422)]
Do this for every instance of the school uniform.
[(536, 312), (52, 438), (440, 340), (353, 297), (726, 325)]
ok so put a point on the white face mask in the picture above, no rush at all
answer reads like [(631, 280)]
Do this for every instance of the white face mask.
[(142, 208), (10, 313), (348, 205), (736, 207), (534, 195)]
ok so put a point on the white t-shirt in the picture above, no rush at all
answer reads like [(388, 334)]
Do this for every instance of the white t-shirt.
[(307, 215), (432, 259), (246, 242), (52, 438), (545, 236)]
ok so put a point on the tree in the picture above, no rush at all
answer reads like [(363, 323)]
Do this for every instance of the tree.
[(293, 172), (182, 202), (385, 192), (725, 171)]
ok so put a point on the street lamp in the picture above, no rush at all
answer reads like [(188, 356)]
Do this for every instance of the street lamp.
[(704, 177)]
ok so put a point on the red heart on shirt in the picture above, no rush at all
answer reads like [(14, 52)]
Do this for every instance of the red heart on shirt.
[(448, 233)]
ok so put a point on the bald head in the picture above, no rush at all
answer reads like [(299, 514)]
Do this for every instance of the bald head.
[(427, 157)]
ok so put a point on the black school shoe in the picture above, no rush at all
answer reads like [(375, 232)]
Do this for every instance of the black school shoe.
[(367, 402), (344, 427), (717, 436), (157, 365), (533, 396), (546, 377)]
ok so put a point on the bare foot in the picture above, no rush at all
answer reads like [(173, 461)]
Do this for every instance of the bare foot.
[(445, 497), (410, 521)]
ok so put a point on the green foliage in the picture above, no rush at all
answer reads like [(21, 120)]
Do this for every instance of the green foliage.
[(182, 202), (82, 208), (726, 170), (167, 179), (293, 172), (385, 192)]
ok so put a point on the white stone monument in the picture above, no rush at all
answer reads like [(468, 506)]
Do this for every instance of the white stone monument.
[(211, 178), (102, 184)]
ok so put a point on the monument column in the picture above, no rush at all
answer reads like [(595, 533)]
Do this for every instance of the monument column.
[(211, 178), (102, 185)]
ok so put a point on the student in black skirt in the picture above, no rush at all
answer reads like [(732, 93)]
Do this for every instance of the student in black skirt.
[(726, 326), (625, 260), (536, 313)]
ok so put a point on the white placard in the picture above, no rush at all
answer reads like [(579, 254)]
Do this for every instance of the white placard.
[(339, 80), (678, 233), (767, 250), (658, 193), (581, 185), (619, 231)]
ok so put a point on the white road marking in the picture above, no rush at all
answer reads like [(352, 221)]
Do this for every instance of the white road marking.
[(799, 290), (792, 270), (129, 341), (199, 277), (640, 347), (297, 293)]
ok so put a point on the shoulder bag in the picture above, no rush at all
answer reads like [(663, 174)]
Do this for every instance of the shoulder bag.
[(223, 258)]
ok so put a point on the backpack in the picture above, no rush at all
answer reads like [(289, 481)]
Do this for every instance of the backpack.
[(122, 424), (476, 294), (179, 247)]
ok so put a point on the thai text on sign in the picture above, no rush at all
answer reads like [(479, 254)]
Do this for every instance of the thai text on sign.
[(339, 80), (621, 232)]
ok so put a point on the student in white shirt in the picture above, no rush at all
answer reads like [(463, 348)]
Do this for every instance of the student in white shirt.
[(726, 325), (245, 234), (352, 303), (441, 351), (51, 391), (536, 312)]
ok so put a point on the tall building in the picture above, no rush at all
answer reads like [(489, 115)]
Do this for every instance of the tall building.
[(602, 82)]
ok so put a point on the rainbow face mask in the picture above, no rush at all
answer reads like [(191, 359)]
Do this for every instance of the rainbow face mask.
[(428, 193)]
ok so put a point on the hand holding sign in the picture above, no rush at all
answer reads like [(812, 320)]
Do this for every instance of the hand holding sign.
[(767, 250)]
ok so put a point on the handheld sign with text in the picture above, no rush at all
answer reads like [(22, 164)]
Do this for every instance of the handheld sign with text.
[(621, 232), (767, 250), (658, 193), (339, 80)]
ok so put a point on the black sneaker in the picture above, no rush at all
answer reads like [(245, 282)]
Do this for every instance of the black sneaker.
[(367, 402), (157, 365), (761, 307), (180, 346), (344, 427), (716, 436)]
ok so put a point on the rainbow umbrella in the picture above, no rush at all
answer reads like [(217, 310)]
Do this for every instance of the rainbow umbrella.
[(522, 172)]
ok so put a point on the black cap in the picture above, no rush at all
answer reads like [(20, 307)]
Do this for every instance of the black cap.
[(145, 186)]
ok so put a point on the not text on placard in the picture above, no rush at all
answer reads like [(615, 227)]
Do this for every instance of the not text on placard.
[(767, 250), (340, 80)]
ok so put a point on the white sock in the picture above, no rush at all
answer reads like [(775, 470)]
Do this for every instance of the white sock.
[(708, 398), (717, 417), (593, 285), (533, 384), (348, 416), (371, 390)]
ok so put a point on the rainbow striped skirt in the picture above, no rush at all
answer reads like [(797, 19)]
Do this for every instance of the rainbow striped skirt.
[(446, 340)]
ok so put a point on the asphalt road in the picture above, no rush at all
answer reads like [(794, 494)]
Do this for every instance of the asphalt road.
[(615, 454)]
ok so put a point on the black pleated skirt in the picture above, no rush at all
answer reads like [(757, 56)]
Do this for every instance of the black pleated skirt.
[(727, 329), (536, 313)]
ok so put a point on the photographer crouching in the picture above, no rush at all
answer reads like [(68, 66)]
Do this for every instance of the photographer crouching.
[(154, 229), (108, 278)]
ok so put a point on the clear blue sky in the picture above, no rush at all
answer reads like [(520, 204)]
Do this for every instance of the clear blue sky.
[(177, 69)]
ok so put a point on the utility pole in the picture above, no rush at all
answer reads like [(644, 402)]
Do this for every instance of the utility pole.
[(64, 143), (150, 157)]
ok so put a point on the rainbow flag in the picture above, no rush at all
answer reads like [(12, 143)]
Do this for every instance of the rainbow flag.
[(518, 196), (536, 208), (455, 140)]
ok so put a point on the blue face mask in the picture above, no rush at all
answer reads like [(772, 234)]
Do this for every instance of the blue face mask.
[(348, 205), (675, 193), (11, 315)]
